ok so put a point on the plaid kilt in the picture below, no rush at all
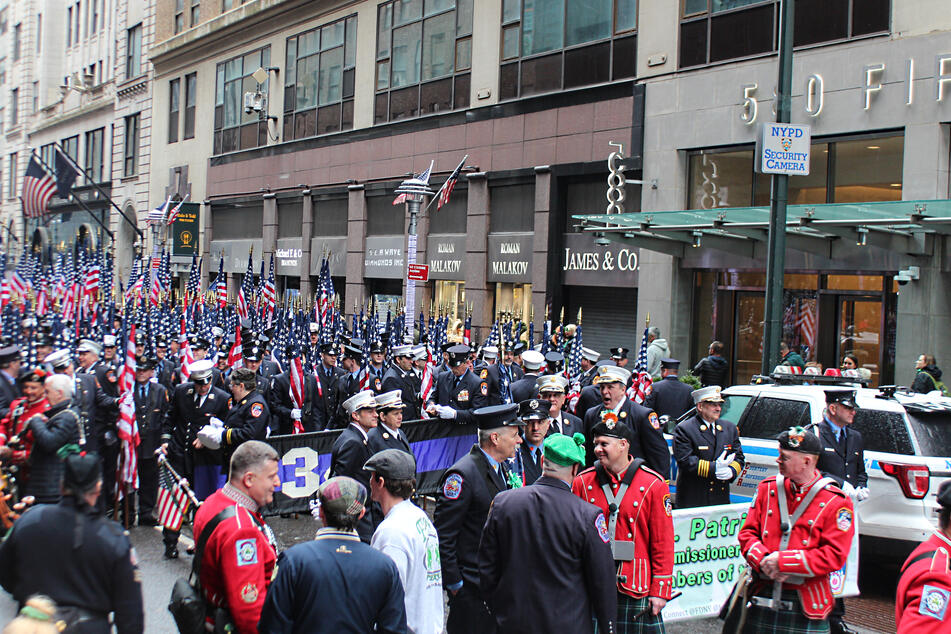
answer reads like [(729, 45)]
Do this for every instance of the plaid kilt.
[(761, 620), (629, 623)]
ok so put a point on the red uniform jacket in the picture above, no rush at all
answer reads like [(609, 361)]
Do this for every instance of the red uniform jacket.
[(12, 425), (819, 542), (924, 589), (644, 517), (238, 562)]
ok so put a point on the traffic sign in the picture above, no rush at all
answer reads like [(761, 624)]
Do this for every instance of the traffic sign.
[(418, 272)]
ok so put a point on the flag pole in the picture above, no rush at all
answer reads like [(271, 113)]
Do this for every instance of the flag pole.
[(39, 159)]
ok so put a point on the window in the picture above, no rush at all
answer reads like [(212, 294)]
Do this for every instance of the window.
[(179, 16), (930, 428), (69, 27), (330, 216), (383, 219), (94, 18), (133, 52), (718, 30), (2, 120), (174, 92), (551, 45), (236, 129), (71, 147), (39, 33), (733, 407), (130, 153), (94, 154), (47, 153), (318, 83), (14, 107), (196, 13), (191, 90), (76, 14), (36, 96), (423, 57), (769, 417), (12, 176), (3, 70), (3, 21), (511, 208), (17, 32)]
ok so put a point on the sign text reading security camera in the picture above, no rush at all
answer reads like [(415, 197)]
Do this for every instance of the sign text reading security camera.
[(783, 148)]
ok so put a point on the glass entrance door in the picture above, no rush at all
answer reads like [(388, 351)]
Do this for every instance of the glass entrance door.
[(748, 329), (860, 325)]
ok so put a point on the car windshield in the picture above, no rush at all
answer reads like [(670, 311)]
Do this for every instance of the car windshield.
[(933, 432)]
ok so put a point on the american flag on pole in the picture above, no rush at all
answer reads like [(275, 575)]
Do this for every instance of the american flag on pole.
[(220, 285), (187, 358), (442, 196), (641, 383), (173, 214), (244, 293), (38, 187), (127, 473), (172, 499), (297, 381), (267, 294)]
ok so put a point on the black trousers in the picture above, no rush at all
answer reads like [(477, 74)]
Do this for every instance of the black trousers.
[(148, 485), (468, 614)]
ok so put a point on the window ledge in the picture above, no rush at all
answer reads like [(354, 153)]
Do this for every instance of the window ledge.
[(129, 179)]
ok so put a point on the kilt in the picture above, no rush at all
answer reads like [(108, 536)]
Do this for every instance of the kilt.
[(629, 623), (762, 620)]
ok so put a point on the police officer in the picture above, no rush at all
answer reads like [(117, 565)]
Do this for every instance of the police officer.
[(636, 503), (400, 376), (818, 518), (351, 451), (670, 396), (708, 453), (376, 367), (192, 406), (387, 434), (348, 383), (551, 388), (151, 410), (924, 587), (285, 415), (528, 459), (589, 358), (166, 371), (459, 391), (327, 376), (461, 510), (561, 539), (648, 438), (525, 388), (51, 544), (487, 369)]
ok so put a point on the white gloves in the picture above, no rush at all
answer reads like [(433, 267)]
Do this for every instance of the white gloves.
[(295, 413), (722, 464), (848, 489), (216, 422), (862, 494), (210, 434), (444, 411)]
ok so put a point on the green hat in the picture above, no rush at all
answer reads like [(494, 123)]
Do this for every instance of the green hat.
[(563, 450)]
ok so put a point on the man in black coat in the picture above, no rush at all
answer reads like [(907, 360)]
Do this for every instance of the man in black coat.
[(73, 555), (351, 451), (551, 388), (166, 370), (327, 374), (525, 388), (10, 361), (648, 442), (459, 391), (528, 459), (348, 383), (387, 434), (713, 369), (708, 453), (670, 396), (52, 430), (487, 369), (247, 419), (564, 542), (589, 358), (461, 510), (151, 410), (284, 410), (400, 376)]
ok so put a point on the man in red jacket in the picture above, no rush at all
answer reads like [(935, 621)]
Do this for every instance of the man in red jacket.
[(238, 560), (640, 527), (791, 590), (13, 425), (924, 589)]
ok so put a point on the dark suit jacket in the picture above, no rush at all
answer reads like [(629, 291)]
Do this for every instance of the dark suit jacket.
[(590, 397), (408, 385), (670, 396), (649, 442), (9, 392), (524, 388), (280, 403), (327, 400), (379, 439), (842, 463), (349, 453), (185, 418), (696, 446), (570, 425), (531, 466), (150, 414), (469, 394)]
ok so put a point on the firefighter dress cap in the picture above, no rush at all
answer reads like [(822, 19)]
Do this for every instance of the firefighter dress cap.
[(532, 359), (590, 355), (313, 327), (551, 383), (109, 341), (59, 359), (392, 464), (329, 348), (458, 354), (9, 354), (495, 416), (619, 353), (838, 397), (360, 400), (490, 352), (670, 364), (534, 409), (390, 400), (86, 345), (564, 450), (403, 351), (709, 394), (419, 353), (612, 374), (200, 371)]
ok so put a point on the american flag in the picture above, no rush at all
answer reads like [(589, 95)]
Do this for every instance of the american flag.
[(172, 498), (158, 214), (423, 176), (806, 322), (641, 383), (442, 196), (127, 474), (220, 285), (235, 359), (173, 214), (267, 294), (297, 380), (38, 187), (194, 281), (187, 358), (246, 290)]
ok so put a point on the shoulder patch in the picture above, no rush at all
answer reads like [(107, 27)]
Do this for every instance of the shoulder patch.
[(452, 487), (668, 505), (484, 388), (249, 593), (653, 419), (484, 373), (843, 519), (247, 552), (934, 602), (602, 527), (256, 409)]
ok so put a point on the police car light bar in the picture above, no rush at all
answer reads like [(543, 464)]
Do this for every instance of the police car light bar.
[(807, 379)]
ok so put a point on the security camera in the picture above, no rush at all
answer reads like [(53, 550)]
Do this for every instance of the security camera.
[(907, 275), (902, 278)]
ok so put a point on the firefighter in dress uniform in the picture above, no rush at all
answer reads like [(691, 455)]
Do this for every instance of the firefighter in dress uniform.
[(387, 434), (798, 529), (247, 419), (400, 376), (670, 396), (351, 451), (459, 391), (551, 388)]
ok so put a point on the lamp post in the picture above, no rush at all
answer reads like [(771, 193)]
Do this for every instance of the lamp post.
[(416, 191)]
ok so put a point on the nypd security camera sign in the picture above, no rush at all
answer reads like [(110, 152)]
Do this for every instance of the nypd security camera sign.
[(783, 148)]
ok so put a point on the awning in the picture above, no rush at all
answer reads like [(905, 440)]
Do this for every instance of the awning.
[(906, 226)]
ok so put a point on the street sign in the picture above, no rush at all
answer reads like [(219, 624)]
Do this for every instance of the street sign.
[(418, 272), (783, 148)]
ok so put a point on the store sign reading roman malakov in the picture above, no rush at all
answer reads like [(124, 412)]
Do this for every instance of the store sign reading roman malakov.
[(510, 267), (443, 262)]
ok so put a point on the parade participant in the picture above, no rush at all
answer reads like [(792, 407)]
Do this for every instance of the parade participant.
[(199, 346), (791, 591), (512, 361), (619, 356), (222, 379), (139, 349), (109, 350), (589, 358), (247, 419), (57, 427), (561, 539), (387, 434), (268, 368), (636, 503), (591, 395), (192, 406), (400, 376), (525, 388), (708, 453), (335, 583), (924, 587), (488, 371), (14, 430), (151, 411), (554, 362), (313, 351), (647, 440), (713, 369), (89, 400), (551, 388), (252, 355), (240, 551), (88, 353), (327, 374), (217, 336), (70, 553), (376, 367), (285, 415), (420, 359), (348, 383), (167, 371), (10, 361), (528, 459), (350, 450), (408, 538), (462, 507), (670, 396), (459, 391)]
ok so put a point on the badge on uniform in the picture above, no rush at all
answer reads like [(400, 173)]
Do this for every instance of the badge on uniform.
[(484, 373), (247, 550), (249, 593), (668, 505), (654, 420), (843, 519), (111, 376), (378, 384), (484, 388), (463, 395), (256, 409), (934, 602), (602, 527), (452, 487)]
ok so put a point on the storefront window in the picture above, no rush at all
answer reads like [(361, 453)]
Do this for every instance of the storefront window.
[(749, 335), (854, 282), (868, 169), (450, 298), (513, 299), (236, 129), (722, 179)]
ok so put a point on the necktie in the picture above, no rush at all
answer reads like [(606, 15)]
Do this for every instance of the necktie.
[(142, 391), (841, 439), (502, 476)]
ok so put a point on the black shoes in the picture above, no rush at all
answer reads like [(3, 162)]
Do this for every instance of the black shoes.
[(171, 551), (838, 626)]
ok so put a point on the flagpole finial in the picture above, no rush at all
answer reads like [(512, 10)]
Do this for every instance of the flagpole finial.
[(648, 320), (579, 315)]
